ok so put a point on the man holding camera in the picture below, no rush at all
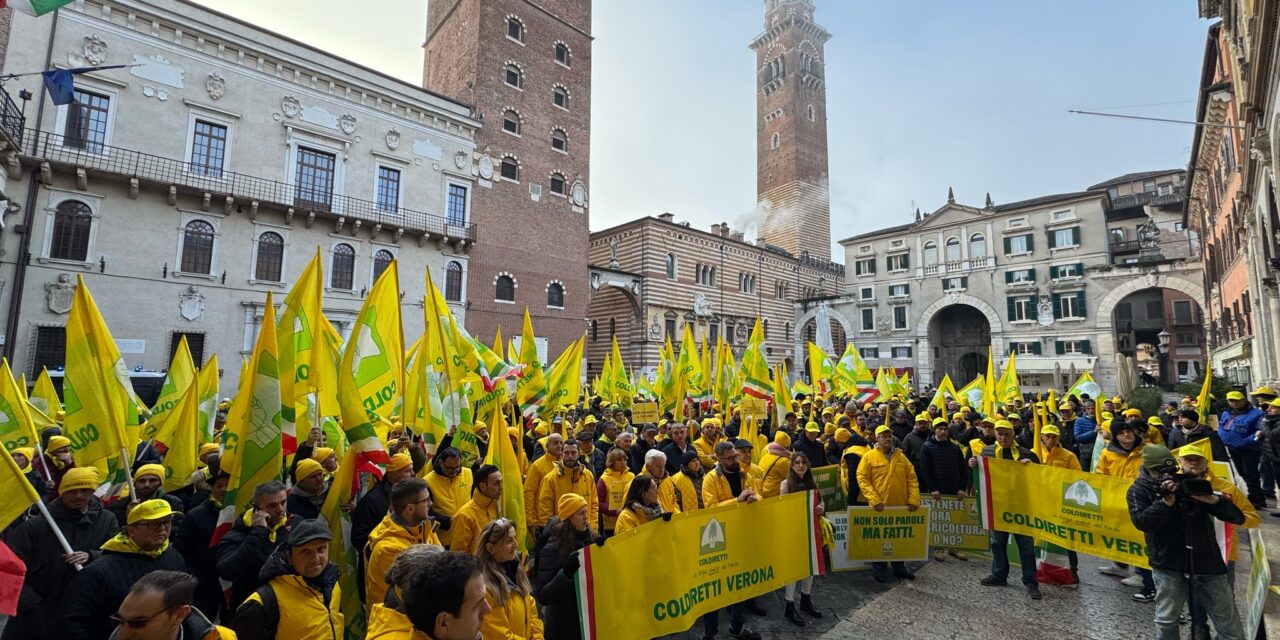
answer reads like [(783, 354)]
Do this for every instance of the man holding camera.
[(1175, 504)]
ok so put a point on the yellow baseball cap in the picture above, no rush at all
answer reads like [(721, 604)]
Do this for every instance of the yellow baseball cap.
[(924, 417), (1274, 403), (1050, 430), (1235, 395), (1201, 448), (1263, 391), (1133, 413), (940, 421), (1003, 424), (884, 428), (1065, 406), (813, 426), (150, 510), (843, 435), (1155, 421)]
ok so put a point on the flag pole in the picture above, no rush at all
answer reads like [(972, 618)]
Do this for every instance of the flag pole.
[(48, 475), (128, 473), (62, 540)]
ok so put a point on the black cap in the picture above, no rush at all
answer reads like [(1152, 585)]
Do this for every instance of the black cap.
[(689, 456), (583, 436), (742, 444), (308, 531)]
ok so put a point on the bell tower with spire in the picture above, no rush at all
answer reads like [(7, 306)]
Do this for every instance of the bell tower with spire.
[(792, 186)]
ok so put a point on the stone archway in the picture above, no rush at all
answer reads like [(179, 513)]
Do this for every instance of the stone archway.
[(808, 316), (924, 350), (1105, 366), (616, 294)]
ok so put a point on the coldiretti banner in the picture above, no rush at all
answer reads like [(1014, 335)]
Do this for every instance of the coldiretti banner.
[(1084, 512), (710, 558), (892, 534)]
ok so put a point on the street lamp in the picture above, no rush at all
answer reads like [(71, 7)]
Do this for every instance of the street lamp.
[(1164, 337)]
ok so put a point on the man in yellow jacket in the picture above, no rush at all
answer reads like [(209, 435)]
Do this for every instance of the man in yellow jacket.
[(886, 478), (409, 523), (726, 483), (479, 511), (301, 593), (568, 476), (553, 444), (450, 485), (706, 443), (774, 465)]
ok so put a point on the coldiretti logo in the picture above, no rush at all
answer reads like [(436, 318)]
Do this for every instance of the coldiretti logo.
[(1081, 495), (712, 537)]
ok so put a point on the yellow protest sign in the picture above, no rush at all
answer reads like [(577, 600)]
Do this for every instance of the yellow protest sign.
[(828, 480), (644, 413), (711, 558), (1083, 512), (753, 407), (956, 523), (892, 534)]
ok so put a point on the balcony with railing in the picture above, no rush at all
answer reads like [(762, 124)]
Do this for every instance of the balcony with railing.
[(99, 159), (11, 120), (955, 266)]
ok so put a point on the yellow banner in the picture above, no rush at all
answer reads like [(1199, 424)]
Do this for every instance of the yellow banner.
[(711, 558), (956, 523), (892, 534), (753, 407), (1083, 512), (644, 413)]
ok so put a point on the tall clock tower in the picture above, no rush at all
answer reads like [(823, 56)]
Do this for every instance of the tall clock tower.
[(792, 192)]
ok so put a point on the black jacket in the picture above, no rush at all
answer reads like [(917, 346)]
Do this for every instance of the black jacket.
[(241, 553), (913, 444), (1168, 528), (554, 589), (302, 506), (97, 591), (192, 541), (635, 455), (833, 451), (1271, 437), (814, 450), (674, 454), (1177, 439), (942, 467), (40, 602)]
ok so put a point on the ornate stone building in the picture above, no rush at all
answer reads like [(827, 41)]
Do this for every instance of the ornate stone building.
[(187, 186), (792, 188), (653, 276), (1065, 281)]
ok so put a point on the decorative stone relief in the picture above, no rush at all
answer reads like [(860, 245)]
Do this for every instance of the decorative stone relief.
[(347, 123), (393, 139), (595, 280), (578, 193), (655, 328), (191, 304), (460, 160), (152, 92), (95, 49), (485, 165), (1044, 311), (290, 106), (59, 294), (216, 85), (157, 69), (701, 307)]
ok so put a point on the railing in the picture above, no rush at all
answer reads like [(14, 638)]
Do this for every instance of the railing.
[(954, 265), (931, 270), (1123, 246), (979, 263), (11, 119), (56, 149), (820, 263)]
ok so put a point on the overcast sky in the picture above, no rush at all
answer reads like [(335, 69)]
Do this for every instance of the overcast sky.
[(921, 96)]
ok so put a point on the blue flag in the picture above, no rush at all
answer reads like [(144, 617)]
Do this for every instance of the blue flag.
[(60, 86)]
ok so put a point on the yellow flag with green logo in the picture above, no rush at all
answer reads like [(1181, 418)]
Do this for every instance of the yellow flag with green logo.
[(371, 376), (531, 388), (44, 396), (252, 452), (564, 380), (184, 434), (182, 372), (303, 357), (502, 455), (208, 382), (95, 386), (18, 493), (16, 428)]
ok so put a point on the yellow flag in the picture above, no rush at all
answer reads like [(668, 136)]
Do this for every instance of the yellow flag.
[(252, 451), (180, 461), (1008, 389), (755, 366), (16, 428), (371, 376), (564, 380), (208, 382), (989, 388), (18, 493), (182, 372), (95, 386), (619, 385), (44, 396), (502, 455), (304, 357), (531, 388), (1202, 401)]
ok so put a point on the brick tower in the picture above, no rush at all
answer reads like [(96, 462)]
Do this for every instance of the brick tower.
[(526, 68), (792, 192)]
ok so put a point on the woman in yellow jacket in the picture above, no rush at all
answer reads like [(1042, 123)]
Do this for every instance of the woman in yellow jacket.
[(611, 489), (514, 614), (387, 621), (1122, 458), (641, 504)]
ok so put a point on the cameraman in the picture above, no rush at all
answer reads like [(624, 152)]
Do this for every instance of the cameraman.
[(1176, 512)]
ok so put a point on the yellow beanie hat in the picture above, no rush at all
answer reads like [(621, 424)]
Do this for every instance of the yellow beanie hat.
[(569, 504), (396, 463), (322, 453), (307, 467), (79, 478), (843, 435), (208, 448), (782, 438), (149, 470), (57, 442), (29, 452), (150, 510)]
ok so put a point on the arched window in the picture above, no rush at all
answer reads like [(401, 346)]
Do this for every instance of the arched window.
[(343, 268), (559, 141), (562, 53), (197, 247), (953, 249), (515, 29), (72, 222), (511, 122), (514, 76), (510, 168), (560, 97), (270, 259), (930, 254), (813, 114), (775, 141), (555, 295), (613, 327), (381, 260), (787, 331), (671, 266), (977, 246), (558, 184), (504, 289), (453, 282), (711, 276), (764, 324), (595, 330)]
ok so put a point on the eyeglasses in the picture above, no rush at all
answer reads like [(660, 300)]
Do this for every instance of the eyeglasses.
[(154, 525), (139, 623)]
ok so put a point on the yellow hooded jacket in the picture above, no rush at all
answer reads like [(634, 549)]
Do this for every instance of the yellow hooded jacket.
[(615, 490), (302, 609), (516, 618), (560, 481), (386, 542), (717, 492), (683, 494), (1114, 462), (533, 484), (389, 624), (629, 519), (1061, 458), (448, 495), (470, 520), (706, 449), (888, 480), (774, 465)]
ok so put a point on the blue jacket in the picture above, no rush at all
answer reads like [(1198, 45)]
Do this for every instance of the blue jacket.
[(1086, 431), (1239, 430)]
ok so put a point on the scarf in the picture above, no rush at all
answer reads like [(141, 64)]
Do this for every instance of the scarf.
[(650, 513), (122, 543), (271, 528)]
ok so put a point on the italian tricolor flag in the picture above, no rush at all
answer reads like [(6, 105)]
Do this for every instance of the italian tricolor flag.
[(33, 7)]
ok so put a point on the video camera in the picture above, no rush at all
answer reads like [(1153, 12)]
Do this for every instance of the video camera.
[(1185, 486)]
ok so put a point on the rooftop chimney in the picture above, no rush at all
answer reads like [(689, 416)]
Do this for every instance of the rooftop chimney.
[(667, 217)]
